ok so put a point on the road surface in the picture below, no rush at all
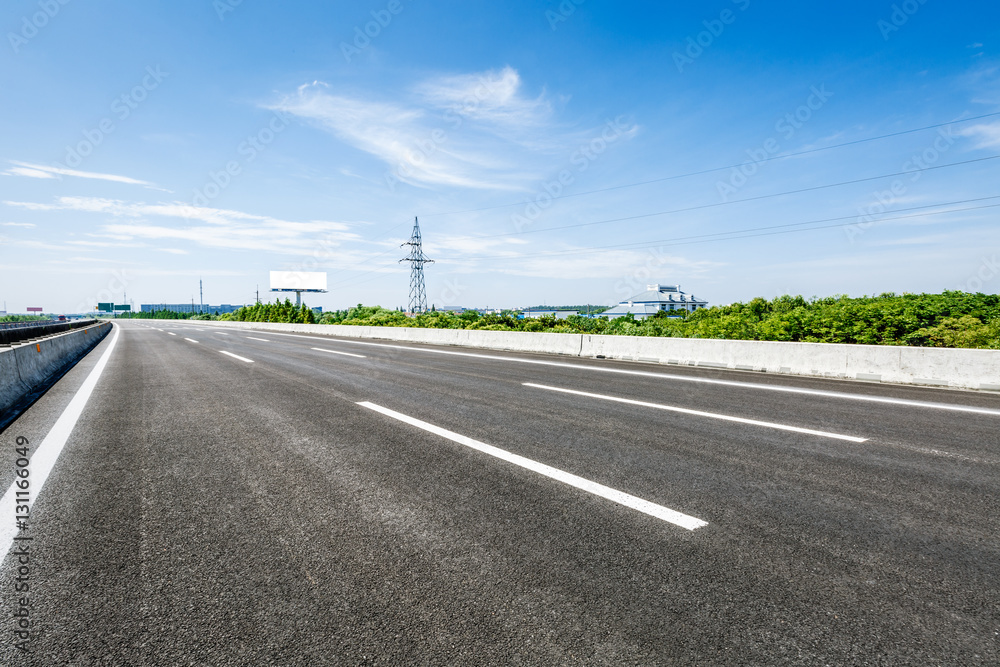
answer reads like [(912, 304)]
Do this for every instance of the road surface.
[(211, 496)]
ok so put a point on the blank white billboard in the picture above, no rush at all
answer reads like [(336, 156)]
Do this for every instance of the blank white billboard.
[(298, 280)]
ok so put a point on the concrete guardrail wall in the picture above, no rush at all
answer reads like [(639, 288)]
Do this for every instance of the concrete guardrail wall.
[(28, 366), (936, 367)]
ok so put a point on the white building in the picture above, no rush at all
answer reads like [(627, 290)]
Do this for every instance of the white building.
[(656, 298)]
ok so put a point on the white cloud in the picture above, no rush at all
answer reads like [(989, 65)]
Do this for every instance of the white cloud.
[(987, 135), (30, 173), (580, 263), (17, 224), (470, 130), (211, 227), (42, 171), (492, 97)]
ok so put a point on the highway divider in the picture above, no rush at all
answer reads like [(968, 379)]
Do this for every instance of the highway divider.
[(29, 367), (924, 366)]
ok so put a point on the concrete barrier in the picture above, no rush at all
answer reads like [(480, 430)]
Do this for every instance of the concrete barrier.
[(934, 367), (28, 367)]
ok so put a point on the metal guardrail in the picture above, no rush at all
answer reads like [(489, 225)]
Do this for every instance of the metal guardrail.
[(10, 336)]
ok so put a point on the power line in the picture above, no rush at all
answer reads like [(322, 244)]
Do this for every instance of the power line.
[(746, 233), (704, 171), (724, 236), (727, 203), (674, 177)]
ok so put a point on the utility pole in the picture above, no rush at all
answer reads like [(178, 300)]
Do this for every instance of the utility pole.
[(201, 298), (417, 259), (258, 293)]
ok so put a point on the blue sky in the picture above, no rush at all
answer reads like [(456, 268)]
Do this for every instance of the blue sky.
[(148, 145)]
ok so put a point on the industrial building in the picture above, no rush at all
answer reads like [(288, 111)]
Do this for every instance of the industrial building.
[(656, 298)]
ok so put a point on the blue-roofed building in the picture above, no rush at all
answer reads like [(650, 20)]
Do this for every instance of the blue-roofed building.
[(656, 298)]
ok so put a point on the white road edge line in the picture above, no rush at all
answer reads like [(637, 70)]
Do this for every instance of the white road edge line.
[(45, 456), (263, 340), (620, 497), (679, 378), (190, 340), (346, 354), (236, 356), (699, 413)]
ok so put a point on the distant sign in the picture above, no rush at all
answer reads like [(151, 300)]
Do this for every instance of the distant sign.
[(307, 281), (120, 307), (105, 307), (32, 309)]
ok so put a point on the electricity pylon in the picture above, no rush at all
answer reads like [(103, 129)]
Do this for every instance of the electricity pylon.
[(417, 259)]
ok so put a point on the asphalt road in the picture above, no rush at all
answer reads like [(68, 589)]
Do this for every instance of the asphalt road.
[(299, 506)]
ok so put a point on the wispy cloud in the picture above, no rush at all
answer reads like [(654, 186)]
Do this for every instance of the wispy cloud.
[(471, 130), (211, 227), (30, 173), (16, 224), (494, 98), (576, 263), (986, 135), (43, 171)]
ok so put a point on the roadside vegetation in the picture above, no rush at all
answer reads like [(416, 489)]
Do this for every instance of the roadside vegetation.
[(23, 318), (950, 319), (279, 311)]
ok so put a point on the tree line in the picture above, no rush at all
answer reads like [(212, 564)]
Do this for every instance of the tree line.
[(949, 319)]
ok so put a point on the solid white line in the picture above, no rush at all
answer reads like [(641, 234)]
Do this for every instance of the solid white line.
[(171, 333), (644, 506), (346, 354), (679, 378), (190, 340), (45, 456), (699, 413), (236, 356), (221, 333), (263, 340)]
